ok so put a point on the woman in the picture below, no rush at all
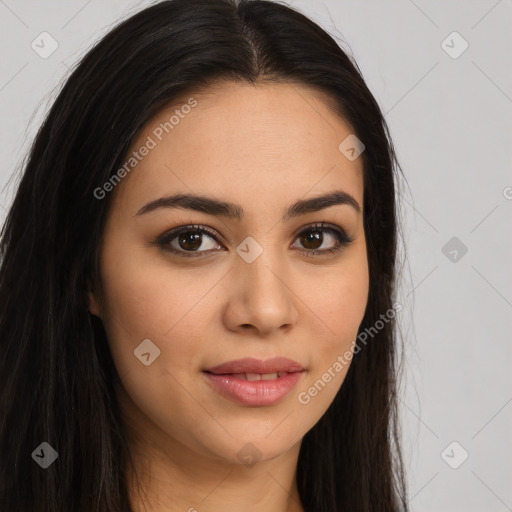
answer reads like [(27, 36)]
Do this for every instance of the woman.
[(197, 277)]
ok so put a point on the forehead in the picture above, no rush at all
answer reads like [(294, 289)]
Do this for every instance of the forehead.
[(256, 145)]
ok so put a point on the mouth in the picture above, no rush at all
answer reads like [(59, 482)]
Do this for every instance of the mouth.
[(250, 365), (256, 383), (254, 376)]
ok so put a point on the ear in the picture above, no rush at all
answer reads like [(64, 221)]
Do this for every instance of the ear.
[(94, 307)]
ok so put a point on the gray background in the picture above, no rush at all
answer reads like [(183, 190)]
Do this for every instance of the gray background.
[(451, 122)]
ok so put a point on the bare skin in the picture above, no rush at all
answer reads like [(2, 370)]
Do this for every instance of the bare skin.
[(263, 148)]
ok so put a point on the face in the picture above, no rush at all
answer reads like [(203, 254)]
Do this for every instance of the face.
[(254, 281)]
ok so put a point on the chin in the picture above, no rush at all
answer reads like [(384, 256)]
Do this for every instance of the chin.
[(251, 447)]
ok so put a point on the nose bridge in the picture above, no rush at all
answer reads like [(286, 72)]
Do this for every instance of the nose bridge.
[(265, 271), (262, 284)]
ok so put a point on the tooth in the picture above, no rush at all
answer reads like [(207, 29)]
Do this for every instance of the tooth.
[(253, 376), (269, 376), (240, 376)]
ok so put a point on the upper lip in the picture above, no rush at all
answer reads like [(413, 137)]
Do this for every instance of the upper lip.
[(251, 365)]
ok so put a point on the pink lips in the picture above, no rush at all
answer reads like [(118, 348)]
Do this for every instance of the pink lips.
[(254, 382)]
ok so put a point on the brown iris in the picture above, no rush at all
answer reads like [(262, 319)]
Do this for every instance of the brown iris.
[(311, 237)]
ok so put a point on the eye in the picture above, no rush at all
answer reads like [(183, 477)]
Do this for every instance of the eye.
[(313, 238), (188, 240)]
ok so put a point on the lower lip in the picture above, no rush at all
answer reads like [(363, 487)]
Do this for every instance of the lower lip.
[(254, 393)]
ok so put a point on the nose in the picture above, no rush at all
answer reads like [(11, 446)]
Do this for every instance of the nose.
[(262, 297)]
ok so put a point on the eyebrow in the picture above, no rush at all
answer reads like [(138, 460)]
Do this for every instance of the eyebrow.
[(229, 210)]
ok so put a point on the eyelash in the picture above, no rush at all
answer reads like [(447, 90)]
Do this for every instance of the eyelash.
[(342, 239)]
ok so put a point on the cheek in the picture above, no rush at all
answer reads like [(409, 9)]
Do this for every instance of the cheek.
[(349, 299), (340, 303), (141, 304), (340, 299)]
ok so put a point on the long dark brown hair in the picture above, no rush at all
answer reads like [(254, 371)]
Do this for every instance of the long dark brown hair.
[(56, 372)]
